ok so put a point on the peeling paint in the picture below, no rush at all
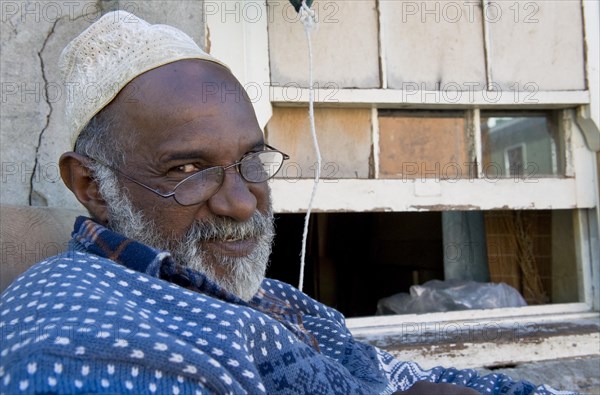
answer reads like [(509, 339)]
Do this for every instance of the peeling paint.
[(446, 207), (469, 343)]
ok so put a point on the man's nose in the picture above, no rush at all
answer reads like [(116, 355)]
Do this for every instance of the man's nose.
[(234, 199)]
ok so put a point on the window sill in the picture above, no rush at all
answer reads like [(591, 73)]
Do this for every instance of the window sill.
[(346, 195), (485, 338)]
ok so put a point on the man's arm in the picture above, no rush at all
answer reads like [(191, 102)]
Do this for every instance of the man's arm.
[(427, 388), (434, 381)]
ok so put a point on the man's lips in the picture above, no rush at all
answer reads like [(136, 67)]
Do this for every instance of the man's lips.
[(234, 248)]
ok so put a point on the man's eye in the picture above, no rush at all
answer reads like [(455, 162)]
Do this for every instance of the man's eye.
[(187, 168)]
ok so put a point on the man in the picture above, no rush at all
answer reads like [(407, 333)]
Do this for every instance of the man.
[(163, 288)]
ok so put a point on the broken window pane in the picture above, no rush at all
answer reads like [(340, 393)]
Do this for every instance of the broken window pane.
[(353, 260)]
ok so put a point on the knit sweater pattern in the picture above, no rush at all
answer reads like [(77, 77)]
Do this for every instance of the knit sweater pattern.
[(114, 316)]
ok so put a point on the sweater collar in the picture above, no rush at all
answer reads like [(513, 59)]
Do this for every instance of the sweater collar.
[(99, 240)]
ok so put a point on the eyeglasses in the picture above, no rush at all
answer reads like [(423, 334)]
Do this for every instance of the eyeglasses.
[(254, 167)]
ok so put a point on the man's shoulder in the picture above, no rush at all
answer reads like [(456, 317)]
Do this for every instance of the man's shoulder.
[(71, 263), (66, 287), (85, 308), (299, 300), (93, 277)]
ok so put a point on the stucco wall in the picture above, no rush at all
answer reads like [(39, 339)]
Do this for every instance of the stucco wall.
[(32, 35)]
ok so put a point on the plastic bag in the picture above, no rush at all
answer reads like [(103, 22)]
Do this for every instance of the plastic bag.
[(436, 295)]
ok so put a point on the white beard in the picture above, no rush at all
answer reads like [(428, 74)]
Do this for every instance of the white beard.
[(243, 275)]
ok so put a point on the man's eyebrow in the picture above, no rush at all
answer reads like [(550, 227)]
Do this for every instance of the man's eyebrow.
[(199, 154), (183, 155)]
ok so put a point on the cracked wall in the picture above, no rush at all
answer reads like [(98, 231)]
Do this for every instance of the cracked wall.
[(32, 132)]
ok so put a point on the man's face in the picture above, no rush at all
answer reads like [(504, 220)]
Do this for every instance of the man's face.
[(186, 116)]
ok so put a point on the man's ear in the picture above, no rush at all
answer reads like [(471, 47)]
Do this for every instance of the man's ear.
[(79, 179)]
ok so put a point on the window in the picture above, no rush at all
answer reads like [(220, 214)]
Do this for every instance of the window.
[(508, 167), (521, 145), (356, 259)]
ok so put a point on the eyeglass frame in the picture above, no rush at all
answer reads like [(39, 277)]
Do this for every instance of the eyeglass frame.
[(172, 192)]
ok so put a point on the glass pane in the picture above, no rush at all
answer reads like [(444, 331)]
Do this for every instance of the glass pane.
[(424, 145), (519, 146)]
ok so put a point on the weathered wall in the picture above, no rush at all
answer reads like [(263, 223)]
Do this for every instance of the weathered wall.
[(32, 35)]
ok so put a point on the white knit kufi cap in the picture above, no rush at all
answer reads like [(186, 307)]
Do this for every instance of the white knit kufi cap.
[(105, 57)]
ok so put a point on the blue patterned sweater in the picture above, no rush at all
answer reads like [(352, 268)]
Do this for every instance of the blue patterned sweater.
[(114, 316)]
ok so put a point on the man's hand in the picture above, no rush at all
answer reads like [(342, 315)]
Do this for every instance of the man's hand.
[(427, 388)]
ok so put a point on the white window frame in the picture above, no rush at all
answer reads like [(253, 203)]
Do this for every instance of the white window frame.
[(478, 338), (236, 33), (468, 193)]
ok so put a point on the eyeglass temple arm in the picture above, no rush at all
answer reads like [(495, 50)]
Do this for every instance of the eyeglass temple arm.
[(165, 195), (285, 156), (159, 193)]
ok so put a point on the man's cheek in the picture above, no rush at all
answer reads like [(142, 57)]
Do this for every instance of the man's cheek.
[(262, 192)]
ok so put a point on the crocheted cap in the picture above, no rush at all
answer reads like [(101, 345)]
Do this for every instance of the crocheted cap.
[(105, 57)]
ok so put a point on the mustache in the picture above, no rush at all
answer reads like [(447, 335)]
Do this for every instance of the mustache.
[(223, 228)]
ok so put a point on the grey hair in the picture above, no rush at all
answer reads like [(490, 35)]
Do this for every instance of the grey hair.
[(98, 140)]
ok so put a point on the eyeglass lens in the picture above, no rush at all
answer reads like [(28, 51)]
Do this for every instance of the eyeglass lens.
[(255, 167)]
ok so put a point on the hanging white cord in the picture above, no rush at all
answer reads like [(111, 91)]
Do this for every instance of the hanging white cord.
[(307, 16)]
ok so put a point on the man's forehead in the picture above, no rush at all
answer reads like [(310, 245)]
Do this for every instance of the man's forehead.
[(178, 91), (183, 90), (190, 76), (179, 106)]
